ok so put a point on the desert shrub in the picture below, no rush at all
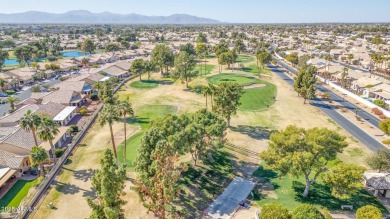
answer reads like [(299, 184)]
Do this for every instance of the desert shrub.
[(59, 152), (94, 96), (368, 212), (274, 210), (83, 110), (358, 118), (382, 116), (386, 142), (376, 111), (380, 103), (343, 110), (307, 211), (73, 128)]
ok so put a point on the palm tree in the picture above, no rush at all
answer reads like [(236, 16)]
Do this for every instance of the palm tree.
[(47, 132), (85, 61), (213, 90), (30, 122), (3, 84), (37, 156), (12, 100), (109, 115), (206, 91), (125, 108)]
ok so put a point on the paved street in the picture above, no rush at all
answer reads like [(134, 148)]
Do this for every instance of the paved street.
[(354, 130), (22, 95), (344, 103)]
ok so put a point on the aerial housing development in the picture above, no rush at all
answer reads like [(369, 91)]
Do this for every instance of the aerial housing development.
[(121, 115)]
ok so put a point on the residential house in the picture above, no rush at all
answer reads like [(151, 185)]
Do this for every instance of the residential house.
[(379, 183)]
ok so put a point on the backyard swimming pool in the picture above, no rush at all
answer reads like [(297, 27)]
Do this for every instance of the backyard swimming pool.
[(11, 62)]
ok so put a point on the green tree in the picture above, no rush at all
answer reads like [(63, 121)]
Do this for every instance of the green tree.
[(377, 40), (304, 83), (335, 178), (368, 212), (263, 57), (206, 91), (125, 108), (380, 160), (37, 156), (3, 84), (274, 211), (162, 55), (380, 103), (306, 211), (47, 131), (30, 123), (206, 130), (137, 67), (109, 115), (150, 67), (227, 99), (301, 152), (384, 125), (3, 57), (293, 58), (184, 67), (88, 46), (24, 53), (239, 45), (202, 52), (189, 48), (109, 183), (202, 38), (157, 164), (112, 47)]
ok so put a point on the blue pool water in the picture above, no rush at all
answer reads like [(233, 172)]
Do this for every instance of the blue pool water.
[(72, 54), (11, 62)]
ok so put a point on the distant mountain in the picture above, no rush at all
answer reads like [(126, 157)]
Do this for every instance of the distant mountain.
[(87, 17)]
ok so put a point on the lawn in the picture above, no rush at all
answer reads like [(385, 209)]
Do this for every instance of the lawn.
[(201, 69), (245, 59), (288, 192), (145, 84), (231, 77), (145, 115), (11, 54), (15, 195), (258, 98)]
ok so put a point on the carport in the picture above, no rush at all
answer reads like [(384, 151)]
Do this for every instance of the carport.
[(229, 201)]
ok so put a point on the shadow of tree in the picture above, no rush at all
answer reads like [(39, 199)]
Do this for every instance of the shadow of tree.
[(84, 175), (321, 195), (256, 132)]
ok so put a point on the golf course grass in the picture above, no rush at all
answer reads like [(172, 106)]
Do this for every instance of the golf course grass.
[(256, 98), (202, 70), (146, 84), (145, 115), (245, 59)]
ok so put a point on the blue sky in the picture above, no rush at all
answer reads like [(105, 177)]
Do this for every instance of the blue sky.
[(243, 11)]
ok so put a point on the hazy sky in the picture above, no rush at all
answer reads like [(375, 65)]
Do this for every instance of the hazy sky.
[(244, 11)]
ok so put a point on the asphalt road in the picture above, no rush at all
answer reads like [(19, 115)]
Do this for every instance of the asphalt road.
[(23, 95), (344, 103), (354, 130)]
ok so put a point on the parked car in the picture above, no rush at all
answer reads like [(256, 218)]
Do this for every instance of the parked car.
[(57, 77), (3, 100), (2, 94)]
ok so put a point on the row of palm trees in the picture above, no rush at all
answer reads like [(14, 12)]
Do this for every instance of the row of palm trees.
[(113, 110), (43, 128), (209, 90)]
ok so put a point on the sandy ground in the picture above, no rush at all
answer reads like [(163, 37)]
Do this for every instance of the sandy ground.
[(247, 138)]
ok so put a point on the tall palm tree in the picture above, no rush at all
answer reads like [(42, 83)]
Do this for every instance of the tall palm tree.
[(206, 91), (30, 122), (109, 115), (125, 108), (37, 156), (47, 132), (3, 84), (213, 90), (12, 100)]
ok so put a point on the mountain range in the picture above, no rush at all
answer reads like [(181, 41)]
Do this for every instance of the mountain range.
[(87, 17)]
